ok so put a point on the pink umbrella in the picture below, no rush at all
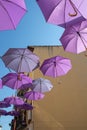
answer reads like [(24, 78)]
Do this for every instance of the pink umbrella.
[(3, 104), (11, 12), (74, 38), (56, 66), (14, 100), (60, 12), (21, 60), (34, 95), (15, 81)]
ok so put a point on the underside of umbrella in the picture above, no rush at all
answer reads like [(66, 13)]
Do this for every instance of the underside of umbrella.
[(11, 12), (60, 12), (56, 66), (21, 60), (74, 38)]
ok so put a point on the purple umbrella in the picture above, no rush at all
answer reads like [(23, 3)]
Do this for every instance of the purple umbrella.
[(41, 85), (15, 81), (3, 104), (2, 112), (81, 5), (11, 12), (74, 39), (34, 95), (24, 106), (60, 12), (56, 66), (13, 113), (26, 86), (14, 100), (21, 60), (1, 86)]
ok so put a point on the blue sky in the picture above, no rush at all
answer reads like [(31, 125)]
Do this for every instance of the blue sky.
[(32, 30)]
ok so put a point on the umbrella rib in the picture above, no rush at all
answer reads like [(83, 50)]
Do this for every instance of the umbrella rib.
[(64, 11), (23, 56), (61, 69), (83, 41), (12, 60), (64, 64), (16, 83), (30, 59), (80, 4), (8, 15), (47, 67), (21, 59), (78, 7), (53, 10), (19, 55), (16, 4), (27, 63)]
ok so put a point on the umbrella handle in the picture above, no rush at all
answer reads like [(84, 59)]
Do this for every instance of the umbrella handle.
[(75, 14)]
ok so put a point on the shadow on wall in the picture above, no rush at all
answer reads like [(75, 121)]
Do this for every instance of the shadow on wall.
[(44, 120)]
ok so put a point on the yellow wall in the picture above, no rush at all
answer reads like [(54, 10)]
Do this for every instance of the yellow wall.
[(65, 106)]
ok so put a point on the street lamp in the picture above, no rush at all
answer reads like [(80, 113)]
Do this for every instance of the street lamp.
[(0, 127)]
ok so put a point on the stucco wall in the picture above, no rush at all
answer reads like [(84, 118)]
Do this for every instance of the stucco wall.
[(65, 106)]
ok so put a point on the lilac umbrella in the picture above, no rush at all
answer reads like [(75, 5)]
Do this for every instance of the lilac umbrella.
[(56, 66), (21, 60), (11, 12), (15, 81), (3, 104), (74, 39), (24, 106), (41, 85), (32, 95), (2, 112), (26, 86), (81, 5), (14, 100), (12, 113), (60, 12)]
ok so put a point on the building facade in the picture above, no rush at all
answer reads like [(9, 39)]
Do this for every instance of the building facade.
[(65, 106)]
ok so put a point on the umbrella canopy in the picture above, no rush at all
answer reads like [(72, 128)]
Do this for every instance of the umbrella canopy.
[(9, 17), (2, 112), (3, 104), (81, 6), (26, 86), (41, 85), (21, 60), (14, 100), (13, 113), (1, 86), (32, 95), (74, 38), (15, 81), (60, 12), (24, 106), (56, 66)]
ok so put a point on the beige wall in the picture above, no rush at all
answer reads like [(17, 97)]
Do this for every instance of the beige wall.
[(65, 106)]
